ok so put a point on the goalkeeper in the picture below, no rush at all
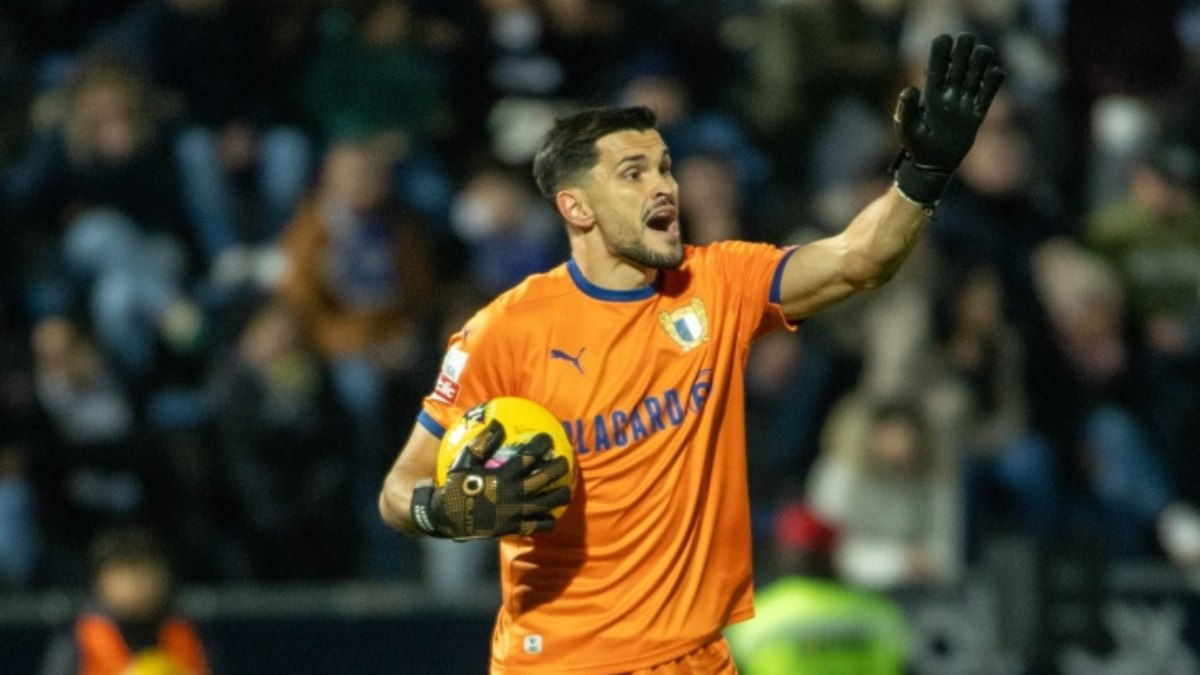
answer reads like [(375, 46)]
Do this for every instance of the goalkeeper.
[(637, 343)]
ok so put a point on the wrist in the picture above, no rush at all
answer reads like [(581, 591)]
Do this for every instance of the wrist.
[(920, 184), (422, 510)]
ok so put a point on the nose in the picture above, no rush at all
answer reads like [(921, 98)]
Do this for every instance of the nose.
[(664, 186)]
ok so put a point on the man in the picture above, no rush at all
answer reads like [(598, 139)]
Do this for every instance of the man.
[(652, 557)]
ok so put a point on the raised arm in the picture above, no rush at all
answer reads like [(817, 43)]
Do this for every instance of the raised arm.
[(935, 131)]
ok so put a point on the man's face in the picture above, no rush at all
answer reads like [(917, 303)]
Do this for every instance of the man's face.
[(635, 199)]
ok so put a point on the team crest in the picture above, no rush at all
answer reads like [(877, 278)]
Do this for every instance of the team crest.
[(687, 326)]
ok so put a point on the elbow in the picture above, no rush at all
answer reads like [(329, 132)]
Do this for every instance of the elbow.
[(390, 513)]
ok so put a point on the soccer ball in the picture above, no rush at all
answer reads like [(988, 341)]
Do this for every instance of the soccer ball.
[(522, 419)]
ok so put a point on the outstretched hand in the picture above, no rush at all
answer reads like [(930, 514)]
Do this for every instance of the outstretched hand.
[(938, 128)]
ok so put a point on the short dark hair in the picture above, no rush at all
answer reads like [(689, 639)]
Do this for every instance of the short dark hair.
[(570, 146), (126, 545)]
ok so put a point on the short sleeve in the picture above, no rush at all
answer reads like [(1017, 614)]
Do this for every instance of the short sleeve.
[(753, 271), (475, 368)]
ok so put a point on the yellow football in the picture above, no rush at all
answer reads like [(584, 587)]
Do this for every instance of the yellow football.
[(522, 419)]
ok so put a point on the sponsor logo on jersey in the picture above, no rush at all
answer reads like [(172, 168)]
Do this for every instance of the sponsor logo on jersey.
[(446, 389), (688, 325), (454, 362), (573, 360), (622, 428), (532, 644)]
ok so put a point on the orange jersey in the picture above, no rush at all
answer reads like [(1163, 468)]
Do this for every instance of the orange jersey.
[(652, 557)]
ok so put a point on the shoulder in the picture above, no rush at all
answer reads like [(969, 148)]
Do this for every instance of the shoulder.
[(535, 299), (734, 253)]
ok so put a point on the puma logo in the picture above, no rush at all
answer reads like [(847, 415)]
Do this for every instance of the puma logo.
[(560, 354)]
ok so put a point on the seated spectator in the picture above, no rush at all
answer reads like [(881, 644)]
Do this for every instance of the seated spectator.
[(807, 621), (1152, 239), (371, 75), (1086, 396), (278, 436), (93, 470), (360, 278), (244, 161), (128, 626), (890, 484), (100, 189), (977, 392), (996, 211)]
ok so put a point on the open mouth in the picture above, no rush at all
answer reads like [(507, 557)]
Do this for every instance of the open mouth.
[(662, 218)]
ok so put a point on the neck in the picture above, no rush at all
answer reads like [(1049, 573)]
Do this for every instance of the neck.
[(602, 268)]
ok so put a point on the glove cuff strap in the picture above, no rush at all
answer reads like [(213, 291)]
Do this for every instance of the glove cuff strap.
[(920, 185), (421, 510)]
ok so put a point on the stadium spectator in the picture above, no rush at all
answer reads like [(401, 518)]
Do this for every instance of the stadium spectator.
[(975, 389), (360, 279), (1086, 398), (508, 231), (278, 434), (807, 621), (244, 162), (91, 468), (1119, 61), (998, 212), (129, 626), (1151, 236), (817, 71), (890, 481), (371, 74), (100, 190)]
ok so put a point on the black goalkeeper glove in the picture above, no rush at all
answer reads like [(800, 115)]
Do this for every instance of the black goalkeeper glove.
[(937, 130), (478, 502)]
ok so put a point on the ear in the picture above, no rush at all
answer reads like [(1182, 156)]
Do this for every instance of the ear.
[(573, 206)]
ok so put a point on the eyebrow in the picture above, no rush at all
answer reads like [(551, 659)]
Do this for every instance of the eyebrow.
[(642, 158)]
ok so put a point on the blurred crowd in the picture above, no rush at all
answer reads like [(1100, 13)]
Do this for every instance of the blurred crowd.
[(235, 236)]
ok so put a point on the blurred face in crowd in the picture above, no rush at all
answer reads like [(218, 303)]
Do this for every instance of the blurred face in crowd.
[(664, 95), (998, 163), (634, 199), (134, 589), (270, 336), (896, 446), (387, 24), (711, 208), (356, 176), (1153, 191), (979, 304), (492, 202), (106, 120)]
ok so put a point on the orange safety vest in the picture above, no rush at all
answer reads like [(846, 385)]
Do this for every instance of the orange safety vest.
[(104, 651)]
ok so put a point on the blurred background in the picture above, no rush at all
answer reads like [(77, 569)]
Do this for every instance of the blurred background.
[(236, 234)]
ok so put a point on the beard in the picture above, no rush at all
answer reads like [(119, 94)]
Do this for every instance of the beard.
[(643, 256), (637, 252)]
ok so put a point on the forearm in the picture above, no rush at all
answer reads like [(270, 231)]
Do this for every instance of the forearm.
[(880, 238), (395, 500)]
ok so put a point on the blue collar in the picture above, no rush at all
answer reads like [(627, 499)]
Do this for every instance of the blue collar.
[(608, 294)]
